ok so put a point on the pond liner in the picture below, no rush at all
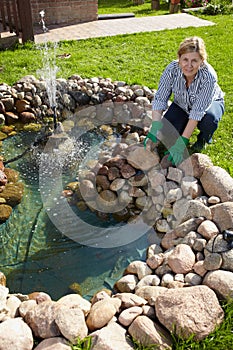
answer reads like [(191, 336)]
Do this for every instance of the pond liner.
[(34, 144), (28, 246)]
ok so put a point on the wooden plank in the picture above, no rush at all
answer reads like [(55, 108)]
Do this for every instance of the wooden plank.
[(3, 16), (25, 15), (9, 19), (16, 18)]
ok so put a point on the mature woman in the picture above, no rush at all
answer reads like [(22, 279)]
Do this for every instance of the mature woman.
[(197, 101)]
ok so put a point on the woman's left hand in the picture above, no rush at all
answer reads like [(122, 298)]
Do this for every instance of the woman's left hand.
[(177, 150)]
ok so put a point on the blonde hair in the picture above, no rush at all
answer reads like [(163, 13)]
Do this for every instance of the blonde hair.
[(193, 44)]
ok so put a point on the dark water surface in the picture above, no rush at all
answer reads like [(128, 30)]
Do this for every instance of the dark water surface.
[(36, 256)]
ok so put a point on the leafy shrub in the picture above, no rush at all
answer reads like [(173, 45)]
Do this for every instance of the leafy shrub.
[(195, 3), (216, 9)]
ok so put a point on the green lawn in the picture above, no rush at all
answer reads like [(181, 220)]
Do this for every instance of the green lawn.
[(139, 58), (126, 6)]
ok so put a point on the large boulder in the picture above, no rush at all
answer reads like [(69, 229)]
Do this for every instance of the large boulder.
[(75, 300), (41, 319), (199, 162), (13, 193), (142, 159), (181, 259), (15, 334), (5, 212), (102, 312), (217, 181), (56, 343), (222, 215), (71, 322), (221, 282), (111, 337), (184, 210), (187, 311), (149, 333)]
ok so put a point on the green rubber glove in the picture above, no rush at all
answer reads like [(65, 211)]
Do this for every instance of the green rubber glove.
[(177, 150), (152, 134)]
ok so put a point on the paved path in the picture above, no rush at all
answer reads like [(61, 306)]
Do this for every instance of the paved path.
[(112, 27)]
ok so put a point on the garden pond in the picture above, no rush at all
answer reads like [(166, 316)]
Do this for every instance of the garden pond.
[(38, 255)]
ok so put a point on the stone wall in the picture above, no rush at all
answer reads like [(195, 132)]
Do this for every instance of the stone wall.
[(65, 11)]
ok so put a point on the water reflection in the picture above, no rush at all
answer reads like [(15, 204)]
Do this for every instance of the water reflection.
[(36, 256)]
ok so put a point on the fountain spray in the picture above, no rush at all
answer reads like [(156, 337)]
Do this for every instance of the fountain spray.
[(49, 71), (48, 74)]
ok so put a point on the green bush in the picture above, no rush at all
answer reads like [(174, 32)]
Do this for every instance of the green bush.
[(215, 9), (195, 3)]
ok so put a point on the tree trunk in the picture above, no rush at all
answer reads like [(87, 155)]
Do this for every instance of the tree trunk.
[(138, 2), (155, 4), (174, 8)]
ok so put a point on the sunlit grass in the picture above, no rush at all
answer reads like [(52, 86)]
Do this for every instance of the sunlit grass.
[(139, 59), (82, 344), (122, 6)]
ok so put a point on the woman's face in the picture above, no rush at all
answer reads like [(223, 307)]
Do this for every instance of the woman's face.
[(190, 63)]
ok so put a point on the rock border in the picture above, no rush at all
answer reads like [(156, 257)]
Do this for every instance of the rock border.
[(194, 261)]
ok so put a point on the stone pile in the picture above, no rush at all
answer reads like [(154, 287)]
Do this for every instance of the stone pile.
[(179, 287), (27, 102), (111, 321), (190, 208), (11, 191), (25, 106), (131, 183)]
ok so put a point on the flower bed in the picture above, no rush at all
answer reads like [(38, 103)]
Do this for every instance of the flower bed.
[(195, 3)]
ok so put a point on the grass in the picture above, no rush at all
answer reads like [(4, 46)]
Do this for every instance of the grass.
[(82, 344), (140, 59), (122, 6)]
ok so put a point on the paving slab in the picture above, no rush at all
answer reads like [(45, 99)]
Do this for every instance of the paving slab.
[(111, 27)]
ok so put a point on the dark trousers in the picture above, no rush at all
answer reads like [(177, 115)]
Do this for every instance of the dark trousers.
[(176, 119)]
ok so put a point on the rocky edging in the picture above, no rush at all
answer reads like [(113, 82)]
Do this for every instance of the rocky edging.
[(11, 191), (25, 107), (177, 289)]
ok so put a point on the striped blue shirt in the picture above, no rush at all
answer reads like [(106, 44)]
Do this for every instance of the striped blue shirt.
[(194, 100)]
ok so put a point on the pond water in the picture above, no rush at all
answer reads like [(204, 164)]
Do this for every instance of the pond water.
[(37, 254)]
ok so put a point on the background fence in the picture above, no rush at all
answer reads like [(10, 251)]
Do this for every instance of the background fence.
[(16, 17)]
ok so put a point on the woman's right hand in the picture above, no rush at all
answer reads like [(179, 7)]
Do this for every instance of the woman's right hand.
[(152, 134)]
